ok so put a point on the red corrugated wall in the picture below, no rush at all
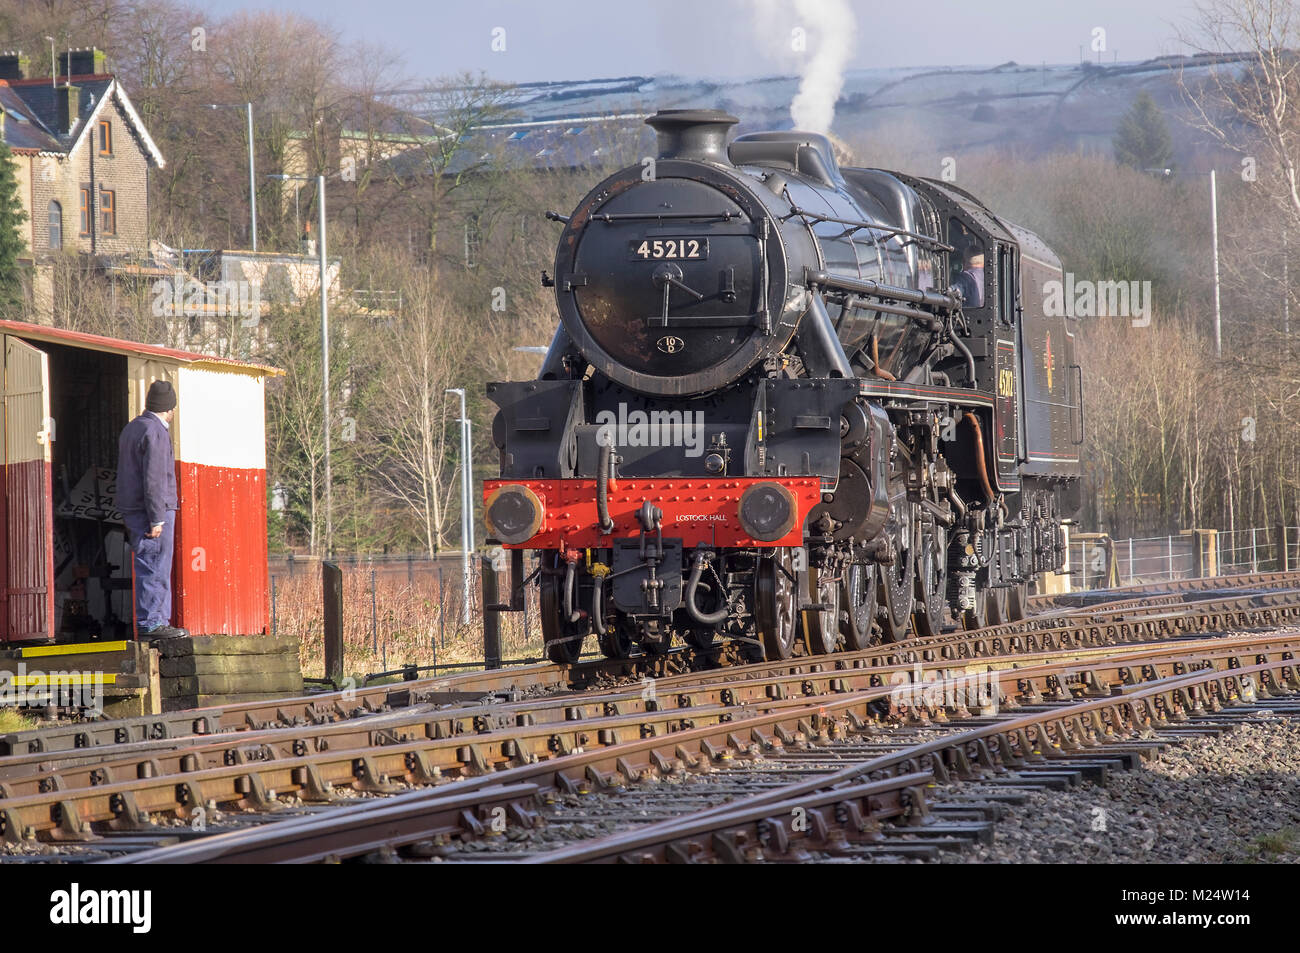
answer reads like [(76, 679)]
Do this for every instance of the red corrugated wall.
[(28, 553), (220, 584), (28, 556)]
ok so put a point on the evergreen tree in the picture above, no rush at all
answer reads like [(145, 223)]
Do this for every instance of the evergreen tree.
[(11, 239), (1142, 140)]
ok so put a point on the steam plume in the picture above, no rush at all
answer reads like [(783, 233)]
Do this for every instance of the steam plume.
[(831, 27)]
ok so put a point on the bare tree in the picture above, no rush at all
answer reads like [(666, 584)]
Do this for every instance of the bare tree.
[(420, 352)]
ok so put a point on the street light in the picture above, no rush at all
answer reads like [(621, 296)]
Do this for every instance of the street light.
[(466, 504), (54, 65), (324, 351), (252, 176), (1214, 237)]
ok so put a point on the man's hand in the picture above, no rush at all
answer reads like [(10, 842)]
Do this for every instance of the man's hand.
[(156, 531)]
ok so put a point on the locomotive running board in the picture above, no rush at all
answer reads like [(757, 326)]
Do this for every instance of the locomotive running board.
[(954, 395)]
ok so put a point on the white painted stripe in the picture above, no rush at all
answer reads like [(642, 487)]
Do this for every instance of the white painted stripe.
[(220, 419)]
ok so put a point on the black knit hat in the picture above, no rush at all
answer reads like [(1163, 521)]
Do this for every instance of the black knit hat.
[(162, 397)]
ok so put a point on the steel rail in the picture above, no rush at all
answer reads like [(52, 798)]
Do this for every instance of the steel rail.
[(754, 694), (808, 718), (467, 687), (765, 820), (109, 800)]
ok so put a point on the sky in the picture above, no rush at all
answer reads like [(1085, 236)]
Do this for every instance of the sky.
[(587, 39)]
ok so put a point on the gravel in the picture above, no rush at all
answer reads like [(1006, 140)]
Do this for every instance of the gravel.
[(1230, 798)]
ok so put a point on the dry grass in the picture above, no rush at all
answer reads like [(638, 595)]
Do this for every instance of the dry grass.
[(412, 623), (12, 720)]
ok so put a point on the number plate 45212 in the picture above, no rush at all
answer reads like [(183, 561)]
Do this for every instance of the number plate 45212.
[(669, 249)]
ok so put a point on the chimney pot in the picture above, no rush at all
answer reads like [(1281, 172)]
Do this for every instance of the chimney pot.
[(69, 99), (86, 62), (14, 65), (692, 133)]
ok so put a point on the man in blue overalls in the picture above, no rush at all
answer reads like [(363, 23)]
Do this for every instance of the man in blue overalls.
[(146, 497)]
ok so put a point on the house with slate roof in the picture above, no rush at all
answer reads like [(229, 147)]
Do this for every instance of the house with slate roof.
[(82, 155)]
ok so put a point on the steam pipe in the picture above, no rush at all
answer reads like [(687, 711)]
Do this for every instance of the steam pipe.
[(970, 358), (865, 286), (597, 609), (859, 303), (602, 488), (697, 570), (982, 468), (875, 362), (957, 502), (569, 574), (820, 345)]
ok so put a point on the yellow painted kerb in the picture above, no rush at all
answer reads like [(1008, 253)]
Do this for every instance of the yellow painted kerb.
[(64, 678), (82, 648)]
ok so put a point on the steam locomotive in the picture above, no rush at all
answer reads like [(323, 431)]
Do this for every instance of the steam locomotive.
[(802, 406)]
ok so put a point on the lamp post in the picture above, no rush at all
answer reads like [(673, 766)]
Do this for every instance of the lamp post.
[(54, 65), (252, 176), (466, 505), (324, 349), (1214, 238)]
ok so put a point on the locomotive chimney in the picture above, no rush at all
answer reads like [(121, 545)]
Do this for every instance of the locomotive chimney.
[(699, 134)]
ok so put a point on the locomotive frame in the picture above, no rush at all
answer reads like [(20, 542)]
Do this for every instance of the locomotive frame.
[(871, 446)]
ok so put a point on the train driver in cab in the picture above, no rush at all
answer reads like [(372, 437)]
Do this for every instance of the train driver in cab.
[(971, 280)]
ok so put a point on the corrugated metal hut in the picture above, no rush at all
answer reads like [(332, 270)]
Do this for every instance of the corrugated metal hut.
[(65, 568)]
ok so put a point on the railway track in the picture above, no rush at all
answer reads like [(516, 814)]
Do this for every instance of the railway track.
[(395, 765), (1115, 615), (856, 766)]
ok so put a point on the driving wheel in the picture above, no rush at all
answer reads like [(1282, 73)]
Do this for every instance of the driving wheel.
[(563, 638), (858, 606), (898, 579), (931, 579), (774, 603), (822, 626)]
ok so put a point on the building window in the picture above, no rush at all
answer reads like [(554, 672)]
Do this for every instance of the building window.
[(473, 238), (105, 138), (85, 211), (56, 226), (107, 212)]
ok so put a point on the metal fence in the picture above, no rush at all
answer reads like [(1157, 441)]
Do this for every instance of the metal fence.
[(1098, 562), (384, 593)]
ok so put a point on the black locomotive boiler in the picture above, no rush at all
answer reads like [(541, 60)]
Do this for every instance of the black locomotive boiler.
[(798, 405)]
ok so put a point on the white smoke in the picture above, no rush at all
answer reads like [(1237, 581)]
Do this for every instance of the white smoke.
[(831, 28), (816, 38)]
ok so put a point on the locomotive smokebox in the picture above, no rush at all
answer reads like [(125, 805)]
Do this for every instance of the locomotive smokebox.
[(699, 134)]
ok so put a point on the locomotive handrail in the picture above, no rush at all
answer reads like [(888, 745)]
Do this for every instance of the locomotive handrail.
[(795, 210), (638, 216)]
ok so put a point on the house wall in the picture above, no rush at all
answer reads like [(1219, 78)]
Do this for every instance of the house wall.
[(125, 173), (23, 174)]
